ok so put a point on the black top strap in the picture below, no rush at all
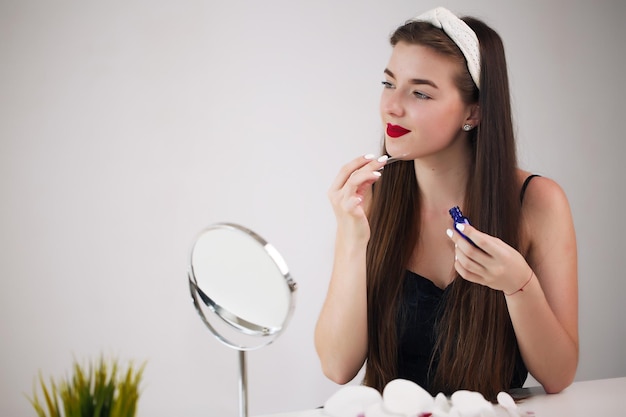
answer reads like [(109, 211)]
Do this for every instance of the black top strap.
[(525, 185)]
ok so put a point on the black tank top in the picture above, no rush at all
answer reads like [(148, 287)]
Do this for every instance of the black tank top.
[(421, 307)]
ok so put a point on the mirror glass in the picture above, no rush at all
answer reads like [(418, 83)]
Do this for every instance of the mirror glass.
[(240, 285)]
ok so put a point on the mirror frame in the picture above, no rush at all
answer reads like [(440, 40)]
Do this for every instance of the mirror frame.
[(267, 334)]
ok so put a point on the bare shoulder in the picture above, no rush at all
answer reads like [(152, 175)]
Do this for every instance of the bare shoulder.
[(543, 197), (546, 216)]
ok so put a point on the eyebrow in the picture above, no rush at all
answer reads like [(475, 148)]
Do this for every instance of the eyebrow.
[(416, 81)]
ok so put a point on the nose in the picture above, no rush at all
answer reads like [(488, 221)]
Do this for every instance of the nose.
[(391, 103)]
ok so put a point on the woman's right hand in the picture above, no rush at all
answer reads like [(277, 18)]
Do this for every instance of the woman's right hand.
[(341, 330), (351, 191)]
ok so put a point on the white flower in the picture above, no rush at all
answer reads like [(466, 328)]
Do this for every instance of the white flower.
[(406, 398), (402, 398), (351, 401), (470, 404), (508, 403)]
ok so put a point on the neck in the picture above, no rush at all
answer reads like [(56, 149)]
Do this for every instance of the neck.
[(442, 183)]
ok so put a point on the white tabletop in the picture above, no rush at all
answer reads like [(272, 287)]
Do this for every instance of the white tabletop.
[(602, 397)]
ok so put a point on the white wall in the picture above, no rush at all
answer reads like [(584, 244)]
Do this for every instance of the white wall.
[(127, 126)]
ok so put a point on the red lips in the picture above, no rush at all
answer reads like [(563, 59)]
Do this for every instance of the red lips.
[(396, 131)]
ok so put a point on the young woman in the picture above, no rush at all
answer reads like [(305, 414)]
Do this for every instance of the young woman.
[(410, 297)]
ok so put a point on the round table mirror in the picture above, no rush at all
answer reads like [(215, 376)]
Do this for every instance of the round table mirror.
[(242, 290)]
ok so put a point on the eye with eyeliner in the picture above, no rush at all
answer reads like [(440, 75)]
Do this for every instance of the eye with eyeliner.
[(417, 94), (421, 95)]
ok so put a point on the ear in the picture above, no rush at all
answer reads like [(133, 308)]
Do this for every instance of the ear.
[(473, 118)]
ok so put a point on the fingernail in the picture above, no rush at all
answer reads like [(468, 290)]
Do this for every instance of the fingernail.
[(369, 156), (460, 227), (377, 173), (449, 232), (383, 158)]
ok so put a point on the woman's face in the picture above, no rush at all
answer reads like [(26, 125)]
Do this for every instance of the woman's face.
[(421, 108)]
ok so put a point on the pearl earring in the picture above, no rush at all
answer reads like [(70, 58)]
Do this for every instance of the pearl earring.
[(467, 127)]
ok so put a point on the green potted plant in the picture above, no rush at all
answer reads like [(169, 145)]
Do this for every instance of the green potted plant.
[(100, 389)]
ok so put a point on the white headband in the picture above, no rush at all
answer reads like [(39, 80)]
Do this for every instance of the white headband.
[(460, 33)]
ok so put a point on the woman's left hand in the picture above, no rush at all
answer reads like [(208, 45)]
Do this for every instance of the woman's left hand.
[(491, 262)]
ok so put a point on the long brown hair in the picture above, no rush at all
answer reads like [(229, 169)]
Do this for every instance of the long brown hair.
[(476, 347)]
